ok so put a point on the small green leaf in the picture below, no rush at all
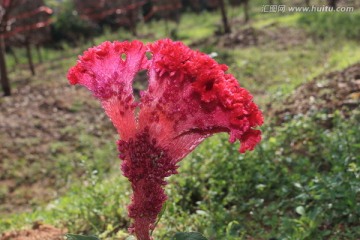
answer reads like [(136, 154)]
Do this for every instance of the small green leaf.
[(189, 236), (300, 210), (130, 238), (159, 217), (80, 237)]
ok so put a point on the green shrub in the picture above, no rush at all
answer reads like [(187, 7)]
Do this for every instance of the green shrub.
[(301, 183), (68, 26), (332, 24)]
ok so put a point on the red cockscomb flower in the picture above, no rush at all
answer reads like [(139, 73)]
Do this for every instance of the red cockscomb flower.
[(189, 98)]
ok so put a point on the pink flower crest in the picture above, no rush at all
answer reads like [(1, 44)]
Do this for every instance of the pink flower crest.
[(189, 97)]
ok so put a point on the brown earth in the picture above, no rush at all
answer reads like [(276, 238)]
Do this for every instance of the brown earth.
[(279, 37), (339, 90), (272, 35), (37, 123), (39, 231)]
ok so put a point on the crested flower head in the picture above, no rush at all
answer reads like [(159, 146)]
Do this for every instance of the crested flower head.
[(189, 97)]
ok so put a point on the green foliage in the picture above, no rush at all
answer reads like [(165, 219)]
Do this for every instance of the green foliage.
[(301, 183), (80, 237), (177, 236), (94, 207), (70, 27), (332, 24), (274, 73), (189, 236)]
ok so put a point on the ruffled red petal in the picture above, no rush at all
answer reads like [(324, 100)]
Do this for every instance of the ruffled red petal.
[(109, 77), (189, 98), (192, 97)]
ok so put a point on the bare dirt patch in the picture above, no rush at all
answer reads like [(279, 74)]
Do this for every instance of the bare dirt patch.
[(276, 36), (279, 37), (39, 231), (36, 123), (339, 90)]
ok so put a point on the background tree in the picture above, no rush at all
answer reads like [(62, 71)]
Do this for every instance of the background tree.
[(6, 7), (18, 20), (29, 27), (224, 16), (200, 5), (333, 3), (245, 4), (115, 13), (164, 9), (71, 27)]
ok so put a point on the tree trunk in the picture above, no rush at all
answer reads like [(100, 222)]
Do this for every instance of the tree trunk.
[(29, 57), (224, 17), (307, 2), (12, 52), (133, 29), (3, 73), (246, 10), (333, 3), (92, 41), (38, 50), (132, 15), (166, 21)]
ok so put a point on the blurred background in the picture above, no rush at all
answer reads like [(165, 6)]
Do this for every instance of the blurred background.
[(59, 170)]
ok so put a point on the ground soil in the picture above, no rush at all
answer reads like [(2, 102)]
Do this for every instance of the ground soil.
[(39, 231), (272, 35), (32, 121), (339, 90)]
